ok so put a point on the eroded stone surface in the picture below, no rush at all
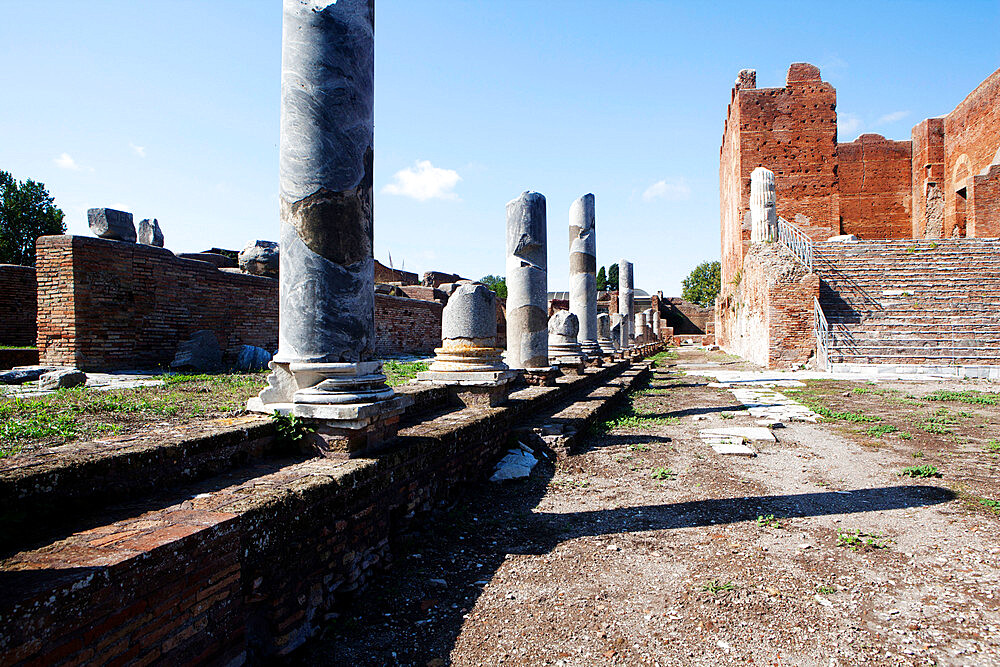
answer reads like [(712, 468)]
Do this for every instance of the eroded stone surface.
[(109, 223), (150, 233), (527, 283)]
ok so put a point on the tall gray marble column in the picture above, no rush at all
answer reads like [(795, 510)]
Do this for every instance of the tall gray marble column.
[(527, 283), (763, 207), (583, 272), (616, 331), (325, 366), (626, 302)]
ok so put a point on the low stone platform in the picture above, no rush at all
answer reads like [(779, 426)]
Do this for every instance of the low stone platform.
[(238, 548)]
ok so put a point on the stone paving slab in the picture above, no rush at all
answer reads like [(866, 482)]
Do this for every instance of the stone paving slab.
[(746, 432)]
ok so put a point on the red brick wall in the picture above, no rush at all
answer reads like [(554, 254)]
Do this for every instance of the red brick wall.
[(17, 296), (406, 326), (385, 274), (971, 139), (984, 205), (686, 317), (927, 178), (107, 305), (770, 314), (874, 184)]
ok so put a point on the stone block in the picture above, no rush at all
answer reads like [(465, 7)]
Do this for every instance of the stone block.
[(149, 232), (252, 358), (108, 223), (62, 379), (260, 258), (199, 353)]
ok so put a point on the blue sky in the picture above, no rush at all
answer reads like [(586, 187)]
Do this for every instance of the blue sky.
[(169, 109)]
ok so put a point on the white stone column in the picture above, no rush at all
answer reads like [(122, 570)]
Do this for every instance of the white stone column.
[(527, 283), (583, 272), (763, 207), (626, 303)]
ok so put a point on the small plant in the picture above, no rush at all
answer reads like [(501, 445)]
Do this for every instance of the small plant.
[(639, 447), (917, 455), (990, 504), (993, 446), (769, 521), (855, 417), (726, 415), (663, 473), (968, 396), (881, 429), (291, 430), (857, 541), (715, 586), (923, 471), (904, 435), (826, 590)]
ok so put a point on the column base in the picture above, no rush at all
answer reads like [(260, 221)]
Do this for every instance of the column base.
[(541, 377), (476, 389)]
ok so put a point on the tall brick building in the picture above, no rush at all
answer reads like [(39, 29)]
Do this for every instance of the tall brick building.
[(942, 183)]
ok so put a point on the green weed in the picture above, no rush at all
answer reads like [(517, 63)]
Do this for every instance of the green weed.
[(769, 521), (881, 429), (826, 590), (291, 430), (968, 396), (639, 447), (715, 586), (663, 473), (858, 541), (401, 372), (905, 435), (917, 455), (921, 472)]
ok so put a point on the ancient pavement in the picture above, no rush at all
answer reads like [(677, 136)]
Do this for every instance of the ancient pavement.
[(645, 547)]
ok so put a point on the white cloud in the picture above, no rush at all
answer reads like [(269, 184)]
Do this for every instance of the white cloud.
[(138, 150), (670, 190), (66, 161), (847, 124), (424, 181), (893, 117)]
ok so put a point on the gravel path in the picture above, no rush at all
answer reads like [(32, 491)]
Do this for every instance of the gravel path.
[(646, 549)]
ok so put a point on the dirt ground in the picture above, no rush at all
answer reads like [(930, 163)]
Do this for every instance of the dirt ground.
[(647, 548)]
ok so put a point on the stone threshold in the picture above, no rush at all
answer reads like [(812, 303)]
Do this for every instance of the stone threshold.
[(982, 372)]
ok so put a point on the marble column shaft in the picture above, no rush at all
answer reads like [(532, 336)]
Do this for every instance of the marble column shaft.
[(616, 330), (763, 207), (626, 302), (583, 271), (604, 334), (326, 329), (527, 283)]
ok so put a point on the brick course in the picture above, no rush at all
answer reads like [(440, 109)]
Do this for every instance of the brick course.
[(17, 293)]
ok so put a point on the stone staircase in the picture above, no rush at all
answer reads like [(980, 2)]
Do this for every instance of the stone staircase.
[(926, 303)]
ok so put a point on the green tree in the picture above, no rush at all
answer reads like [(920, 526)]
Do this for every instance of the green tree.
[(602, 279), (702, 285), (26, 212), (613, 277), (496, 283)]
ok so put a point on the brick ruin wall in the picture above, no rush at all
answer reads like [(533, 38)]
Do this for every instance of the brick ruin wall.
[(771, 322), (685, 317), (105, 305), (17, 294), (874, 185), (971, 145)]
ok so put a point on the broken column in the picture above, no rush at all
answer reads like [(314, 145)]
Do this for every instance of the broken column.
[(657, 325), (616, 331), (626, 304), (639, 327), (583, 272), (468, 361), (325, 367), (564, 346), (604, 334), (763, 207), (527, 289), (109, 223)]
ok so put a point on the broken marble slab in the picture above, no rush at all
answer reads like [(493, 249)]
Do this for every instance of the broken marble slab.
[(746, 432), (733, 449)]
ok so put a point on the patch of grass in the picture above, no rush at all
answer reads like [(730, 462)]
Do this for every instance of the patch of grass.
[(854, 417), (401, 372), (990, 504), (967, 396), (905, 435), (993, 446), (769, 521), (663, 473), (855, 540), (715, 586), (726, 415), (639, 447), (659, 358), (917, 455), (826, 590), (936, 429), (920, 472), (880, 429)]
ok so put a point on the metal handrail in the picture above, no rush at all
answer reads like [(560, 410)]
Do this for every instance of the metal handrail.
[(797, 241), (822, 328)]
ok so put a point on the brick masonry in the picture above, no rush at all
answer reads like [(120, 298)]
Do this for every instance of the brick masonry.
[(248, 564), (770, 311), (106, 305), (17, 293)]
